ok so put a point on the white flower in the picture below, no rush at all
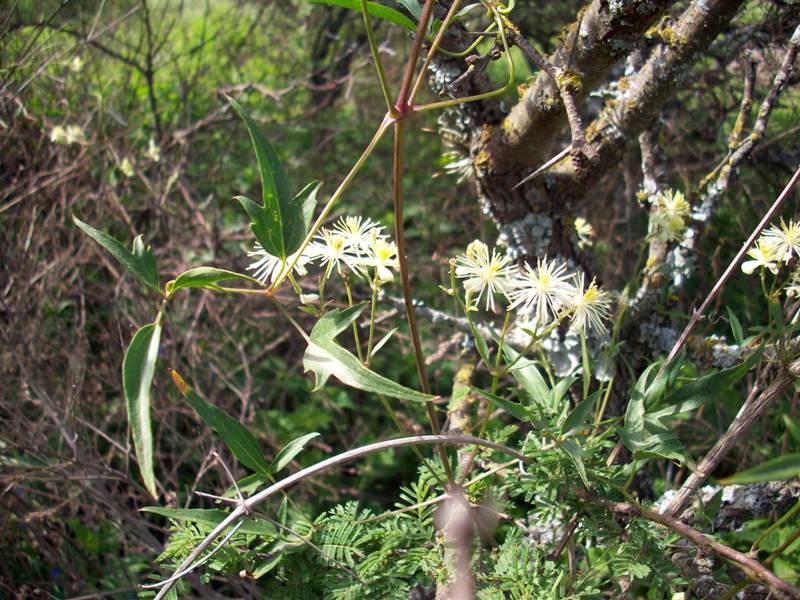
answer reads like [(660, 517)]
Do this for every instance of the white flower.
[(58, 135), (484, 273), (381, 255), (126, 166), (792, 288), (76, 64), (358, 232), (309, 298), (74, 134), (331, 248), (543, 290), (764, 255), (153, 151), (589, 307), (668, 221), (71, 134), (585, 232), (270, 267), (785, 239)]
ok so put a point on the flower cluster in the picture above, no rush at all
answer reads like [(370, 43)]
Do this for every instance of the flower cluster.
[(71, 134), (670, 213), (354, 244), (776, 245), (543, 294)]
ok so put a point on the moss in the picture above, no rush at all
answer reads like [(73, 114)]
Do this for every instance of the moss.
[(570, 80), (481, 158)]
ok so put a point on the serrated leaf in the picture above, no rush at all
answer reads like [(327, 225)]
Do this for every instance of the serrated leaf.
[(138, 368), (518, 411), (280, 225), (205, 278), (211, 517), (290, 450), (374, 9), (236, 436), (782, 467), (579, 415), (324, 357), (140, 261)]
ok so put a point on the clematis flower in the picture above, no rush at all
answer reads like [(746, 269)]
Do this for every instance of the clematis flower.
[(764, 255), (785, 239), (590, 306), (485, 273), (542, 291), (270, 267)]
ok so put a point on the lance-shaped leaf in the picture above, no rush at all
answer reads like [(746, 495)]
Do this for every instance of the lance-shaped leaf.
[(206, 278), (281, 223), (579, 415), (211, 517), (324, 357), (236, 436), (782, 467), (375, 9), (138, 369), (292, 449), (140, 261)]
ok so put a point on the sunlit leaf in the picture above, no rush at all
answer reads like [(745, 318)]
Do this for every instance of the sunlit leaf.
[(292, 449), (206, 278), (138, 368), (140, 261), (324, 357), (376, 10), (280, 225)]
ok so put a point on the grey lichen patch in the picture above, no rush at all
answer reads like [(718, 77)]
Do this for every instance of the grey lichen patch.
[(529, 236), (660, 338)]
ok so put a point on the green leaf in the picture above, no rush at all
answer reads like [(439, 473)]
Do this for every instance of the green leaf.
[(211, 517), (736, 327), (206, 278), (288, 452), (518, 411), (281, 223), (579, 414), (699, 391), (236, 436), (782, 467), (633, 424), (307, 200), (382, 342), (792, 427), (528, 376), (138, 368), (140, 261), (575, 453), (324, 357), (376, 10)]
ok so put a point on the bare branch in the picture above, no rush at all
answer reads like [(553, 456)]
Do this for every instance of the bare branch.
[(752, 567)]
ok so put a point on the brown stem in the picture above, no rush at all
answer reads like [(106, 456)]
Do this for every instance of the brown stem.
[(419, 37), (752, 567), (731, 268), (400, 239)]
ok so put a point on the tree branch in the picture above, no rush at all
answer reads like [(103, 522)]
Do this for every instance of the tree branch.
[(752, 567)]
